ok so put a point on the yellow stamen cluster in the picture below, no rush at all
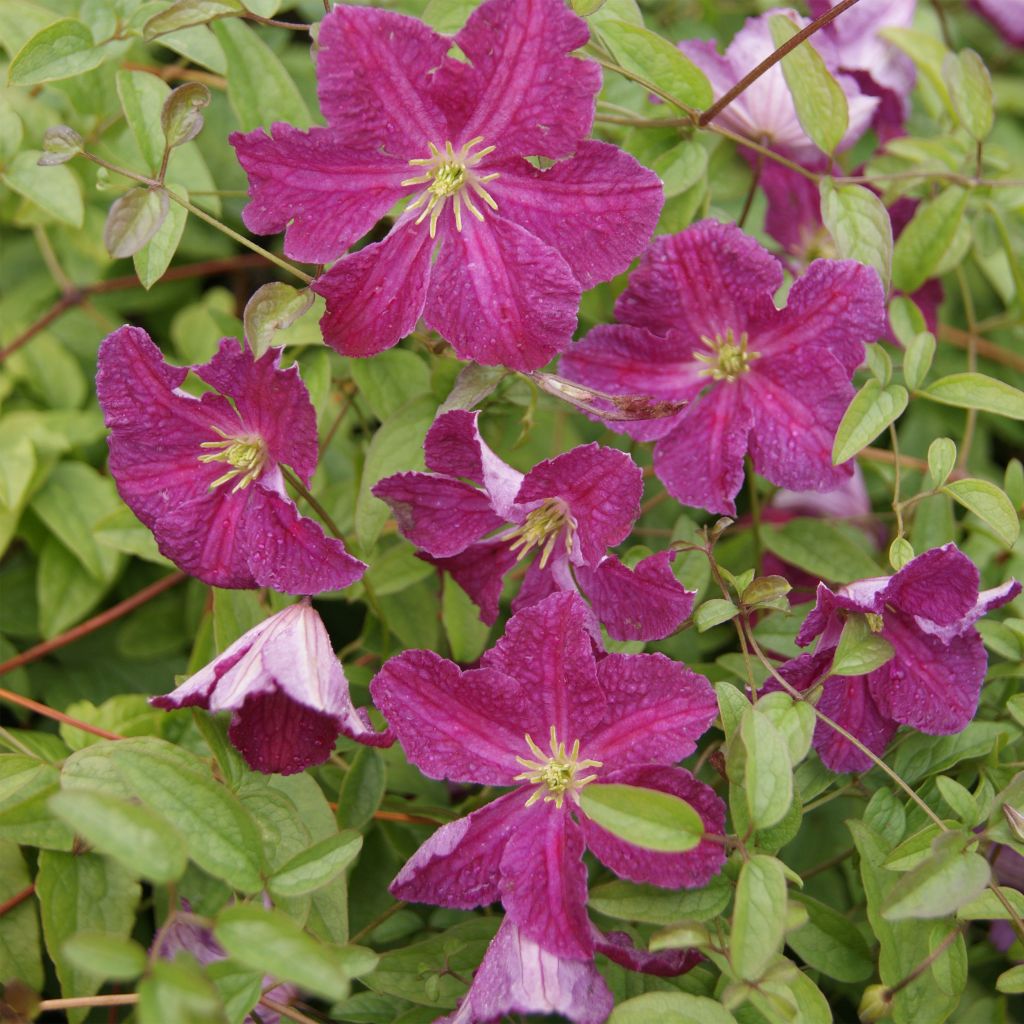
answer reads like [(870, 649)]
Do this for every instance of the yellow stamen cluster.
[(875, 622), (542, 528), (447, 175), (554, 774), (246, 455), (728, 359)]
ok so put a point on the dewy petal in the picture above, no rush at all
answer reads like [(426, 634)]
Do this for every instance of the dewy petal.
[(544, 881), (540, 583), (463, 726), (701, 461), (940, 585), (439, 514), (646, 602), (373, 75), (480, 571), (668, 963), (657, 709), (520, 976), (532, 98), (547, 650), (705, 281), (987, 601), (602, 488), (690, 870), (598, 208), (1006, 15), (322, 193), (458, 866), (500, 295), (376, 295)]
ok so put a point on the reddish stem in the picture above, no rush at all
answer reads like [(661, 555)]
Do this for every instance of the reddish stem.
[(19, 897)]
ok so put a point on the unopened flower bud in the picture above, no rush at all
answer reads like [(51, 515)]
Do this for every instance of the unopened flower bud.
[(60, 144), (875, 1004)]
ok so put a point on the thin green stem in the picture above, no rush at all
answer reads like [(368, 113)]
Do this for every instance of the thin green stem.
[(315, 505), (897, 505), (755, 516), (971, 420)]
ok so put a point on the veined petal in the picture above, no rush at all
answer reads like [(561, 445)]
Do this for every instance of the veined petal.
[(668, 963), (376, 295), (500, 295), (848, 701), (439, 514), (540, 583), (701, 461), (464, 726), (988, 600), (646, 602), (689, 870), (373, 80), (480, 571), (940, 585), (657, 709), (532, 98), (458, 866), (597, 209), (323, 193)]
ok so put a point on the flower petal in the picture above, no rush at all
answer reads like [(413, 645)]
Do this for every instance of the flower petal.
[(373, 80), (657, 709), (669, 963), (544, 882), (457, 725), (598, 208), (441, 515), (458, 866), (533, 99), (994, 597), (500, 295), (689, 870), (480, 571), (940, 585), (602, 487), (376, 295), (646, 602), (315, 187), (701, 461)]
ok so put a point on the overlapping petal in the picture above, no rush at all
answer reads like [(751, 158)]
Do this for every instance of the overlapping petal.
[(480, 571)]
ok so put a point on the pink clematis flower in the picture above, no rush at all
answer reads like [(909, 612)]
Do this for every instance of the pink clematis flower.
[(406, 121), (569, 509), (542, 715), (765, 112), (286, 691), (932, 682), (204, 474), (698, 314), (1006, 15)]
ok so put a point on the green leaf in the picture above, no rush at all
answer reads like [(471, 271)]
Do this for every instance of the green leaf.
[(112, 957), (142, 97), (1011, 982), (872, 410), (82, 892), (473, 384), (391, 379), (917, 359), (60, 144), (222, 837), (54, 190), (926, 239), (133, 220), (941, 459), (821, 106), (988, 906), (947, 880), (651, 904), (180, 116), (315, 867), (860, 650), (970, 89), (767, 769), (831, 551), (901, 551), (260, 90), (362, 789), (989, 504), (271, 308), (20, 948), (65, 592), (60, 50), (467, 634), (642, 816), (658, 62), (670, 1008), (271, 942), (859, 222), (906, 319), (190, 12), (714, 613), (153, 259), (978, 391), (794, 719), (928, 53), (758, 917), (179, 991), (828, 943), (17, 469), (139, 839), (681, 167)]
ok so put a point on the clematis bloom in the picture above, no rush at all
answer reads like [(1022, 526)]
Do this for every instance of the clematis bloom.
[(515, 245), (1007, 16), (542, 715), (698, 324), (569, 510), (286, 691), (204, 474), (932, 682)]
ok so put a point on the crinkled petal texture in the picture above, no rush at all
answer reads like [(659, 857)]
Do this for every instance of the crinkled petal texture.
[(233, 534), (286, 690)]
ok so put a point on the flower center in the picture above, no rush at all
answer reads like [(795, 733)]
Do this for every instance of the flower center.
[(247, 456), (542, 528), (554, 775), (447, 175), (876, 623), (728, 359)]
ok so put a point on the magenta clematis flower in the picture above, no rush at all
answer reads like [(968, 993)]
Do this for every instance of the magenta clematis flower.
[(932, 682), (877, 66), (698, 314), (569, 509), (765, 112), (1006, 15), (204, 473), (286, 692), (407, 121), (542, 715)]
